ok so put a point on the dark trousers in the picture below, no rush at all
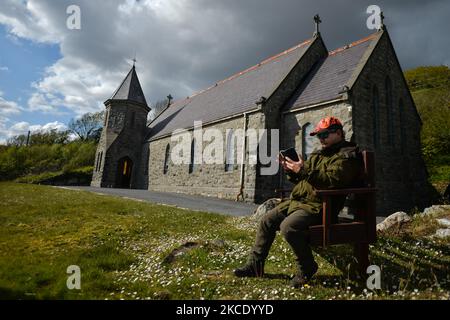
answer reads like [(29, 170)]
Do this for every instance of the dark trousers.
[(294, 228)]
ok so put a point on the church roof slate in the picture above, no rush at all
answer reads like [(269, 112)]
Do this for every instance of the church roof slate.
[(326, 80), (239, 93), (130, 89), (234, 95)]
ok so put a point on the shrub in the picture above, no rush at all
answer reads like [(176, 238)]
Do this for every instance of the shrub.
[(22, 161)]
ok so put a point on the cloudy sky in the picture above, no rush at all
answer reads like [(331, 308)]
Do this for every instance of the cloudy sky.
[(50, 73)]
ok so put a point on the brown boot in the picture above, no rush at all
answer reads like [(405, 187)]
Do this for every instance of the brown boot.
[(253, 268), (302, 276)]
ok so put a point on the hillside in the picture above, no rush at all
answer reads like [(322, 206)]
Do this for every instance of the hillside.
[(430, 88)]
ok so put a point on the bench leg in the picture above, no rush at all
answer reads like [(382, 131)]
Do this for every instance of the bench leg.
[(361, 251)]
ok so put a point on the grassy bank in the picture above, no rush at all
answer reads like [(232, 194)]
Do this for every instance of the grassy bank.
[(134, 250)]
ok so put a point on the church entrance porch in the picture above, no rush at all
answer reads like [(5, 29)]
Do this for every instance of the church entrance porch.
[(124, 170)]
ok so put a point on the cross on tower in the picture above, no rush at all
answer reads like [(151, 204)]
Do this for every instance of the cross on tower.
[(317, 21), (382, 20), (169, 99), (134, 59)]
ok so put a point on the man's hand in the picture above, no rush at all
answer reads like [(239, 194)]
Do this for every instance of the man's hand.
[(290, 165)]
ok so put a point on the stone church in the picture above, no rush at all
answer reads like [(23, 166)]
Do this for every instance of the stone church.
[(361, 83)]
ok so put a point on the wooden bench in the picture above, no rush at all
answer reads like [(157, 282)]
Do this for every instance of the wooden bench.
[(362, 230)]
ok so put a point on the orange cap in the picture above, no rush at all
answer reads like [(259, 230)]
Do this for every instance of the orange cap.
[(327, 123)]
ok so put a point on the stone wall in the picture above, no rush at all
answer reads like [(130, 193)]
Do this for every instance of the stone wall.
[(206, 179), (97, 175), (400, 170)]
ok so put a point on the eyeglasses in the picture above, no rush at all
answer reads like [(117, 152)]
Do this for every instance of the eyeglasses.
[(325, 134)]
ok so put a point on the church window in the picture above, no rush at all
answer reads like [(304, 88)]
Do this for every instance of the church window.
[(375, 116), (402, 125), (133, 118), (99, 161), (192, 162), (389, 112), (229, 157), (166, 159)]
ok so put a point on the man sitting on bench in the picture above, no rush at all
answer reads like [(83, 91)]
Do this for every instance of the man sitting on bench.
[(336, 165)]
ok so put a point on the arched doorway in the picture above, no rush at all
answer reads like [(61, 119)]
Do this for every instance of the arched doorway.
[(124, 170)]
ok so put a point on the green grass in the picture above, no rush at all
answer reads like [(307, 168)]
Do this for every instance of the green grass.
[(440, 173), (120, 246)]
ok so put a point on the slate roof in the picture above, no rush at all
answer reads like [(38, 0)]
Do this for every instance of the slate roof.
[(234, 95), (130, 89), (328, 77), (239, 93)]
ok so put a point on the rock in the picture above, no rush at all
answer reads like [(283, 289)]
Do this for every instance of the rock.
[(180, 251), (265, 207), (437, 209), (442, 233), (394, 220), (218, 243), (444, 222)]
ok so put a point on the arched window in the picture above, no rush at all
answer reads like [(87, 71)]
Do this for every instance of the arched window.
[(402, 125), (192, 162), (99, 161), (96, 163), (389, 112), (133, 118), (229, 156), (375, 116), (307, 141), (166, 159)]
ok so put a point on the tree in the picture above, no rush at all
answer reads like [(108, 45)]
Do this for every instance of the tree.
[(40, 138), (157, 108), (18, 141), (88, 127), (49, 138)]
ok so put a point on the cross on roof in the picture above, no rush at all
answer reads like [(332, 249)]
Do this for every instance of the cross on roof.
[(134, 62), (382, 20), (317, 21)]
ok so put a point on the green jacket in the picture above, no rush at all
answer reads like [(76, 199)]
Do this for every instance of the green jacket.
[(332, 168)]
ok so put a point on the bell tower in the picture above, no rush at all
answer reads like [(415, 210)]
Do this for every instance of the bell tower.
[(119, 150)]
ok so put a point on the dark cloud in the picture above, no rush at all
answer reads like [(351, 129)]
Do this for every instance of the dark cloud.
[(262, 28), (184, 46)]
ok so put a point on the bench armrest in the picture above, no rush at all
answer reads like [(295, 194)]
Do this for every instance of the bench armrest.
[(339, 192)]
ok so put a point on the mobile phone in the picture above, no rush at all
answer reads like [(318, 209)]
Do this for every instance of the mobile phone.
[(290, 153)]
